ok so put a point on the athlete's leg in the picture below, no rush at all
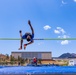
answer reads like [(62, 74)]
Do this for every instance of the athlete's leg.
[(21, 41)]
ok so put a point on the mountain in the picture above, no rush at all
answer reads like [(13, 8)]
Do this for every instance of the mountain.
[(68, 55)]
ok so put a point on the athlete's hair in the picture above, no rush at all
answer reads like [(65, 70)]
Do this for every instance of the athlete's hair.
[(28, 39)]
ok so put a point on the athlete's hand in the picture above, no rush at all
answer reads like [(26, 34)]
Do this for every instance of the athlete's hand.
[(29, 22), (20, 31)]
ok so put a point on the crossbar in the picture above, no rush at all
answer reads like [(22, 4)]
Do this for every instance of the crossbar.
[(39, 39)]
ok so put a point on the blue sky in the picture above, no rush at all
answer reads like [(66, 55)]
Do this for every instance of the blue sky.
[(49, 18)]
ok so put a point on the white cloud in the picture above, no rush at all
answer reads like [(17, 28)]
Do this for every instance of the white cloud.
[(47, 27), (58, 27), (59, 30), (59, 36), (62, 30), (64, 42), (40, 43), (63, 36), (74, 0), (63, 2)]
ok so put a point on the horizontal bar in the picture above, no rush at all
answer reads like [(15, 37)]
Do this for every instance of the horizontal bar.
[(39, 39), (43, 74)]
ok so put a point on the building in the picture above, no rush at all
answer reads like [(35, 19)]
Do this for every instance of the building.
[(72, 62), (30, 55)]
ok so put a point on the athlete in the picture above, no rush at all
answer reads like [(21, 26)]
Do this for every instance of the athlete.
[(28, 36), (35, 60)]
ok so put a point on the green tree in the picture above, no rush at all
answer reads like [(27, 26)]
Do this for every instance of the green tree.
[(12, 60), (19, 58), (7, 56), (26, 60), (39, 61), (22, 61)]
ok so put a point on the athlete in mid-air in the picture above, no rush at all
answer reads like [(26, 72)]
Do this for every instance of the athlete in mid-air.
[(28, 36)]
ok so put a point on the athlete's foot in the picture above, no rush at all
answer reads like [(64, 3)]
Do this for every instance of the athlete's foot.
[(24, 46), (20, 48)]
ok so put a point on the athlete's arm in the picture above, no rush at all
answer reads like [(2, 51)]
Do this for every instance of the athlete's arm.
[(20, 33), (30, 42)]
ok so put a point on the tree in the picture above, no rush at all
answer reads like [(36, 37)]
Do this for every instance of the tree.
[(39, 61), (12, 60), (22, 61), (26, 60), (7, 56), (19, 58)]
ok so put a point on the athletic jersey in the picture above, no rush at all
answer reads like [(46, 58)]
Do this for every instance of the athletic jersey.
[(26, 34)]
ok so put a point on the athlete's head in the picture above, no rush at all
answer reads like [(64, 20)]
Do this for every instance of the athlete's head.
[(28, 38)]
